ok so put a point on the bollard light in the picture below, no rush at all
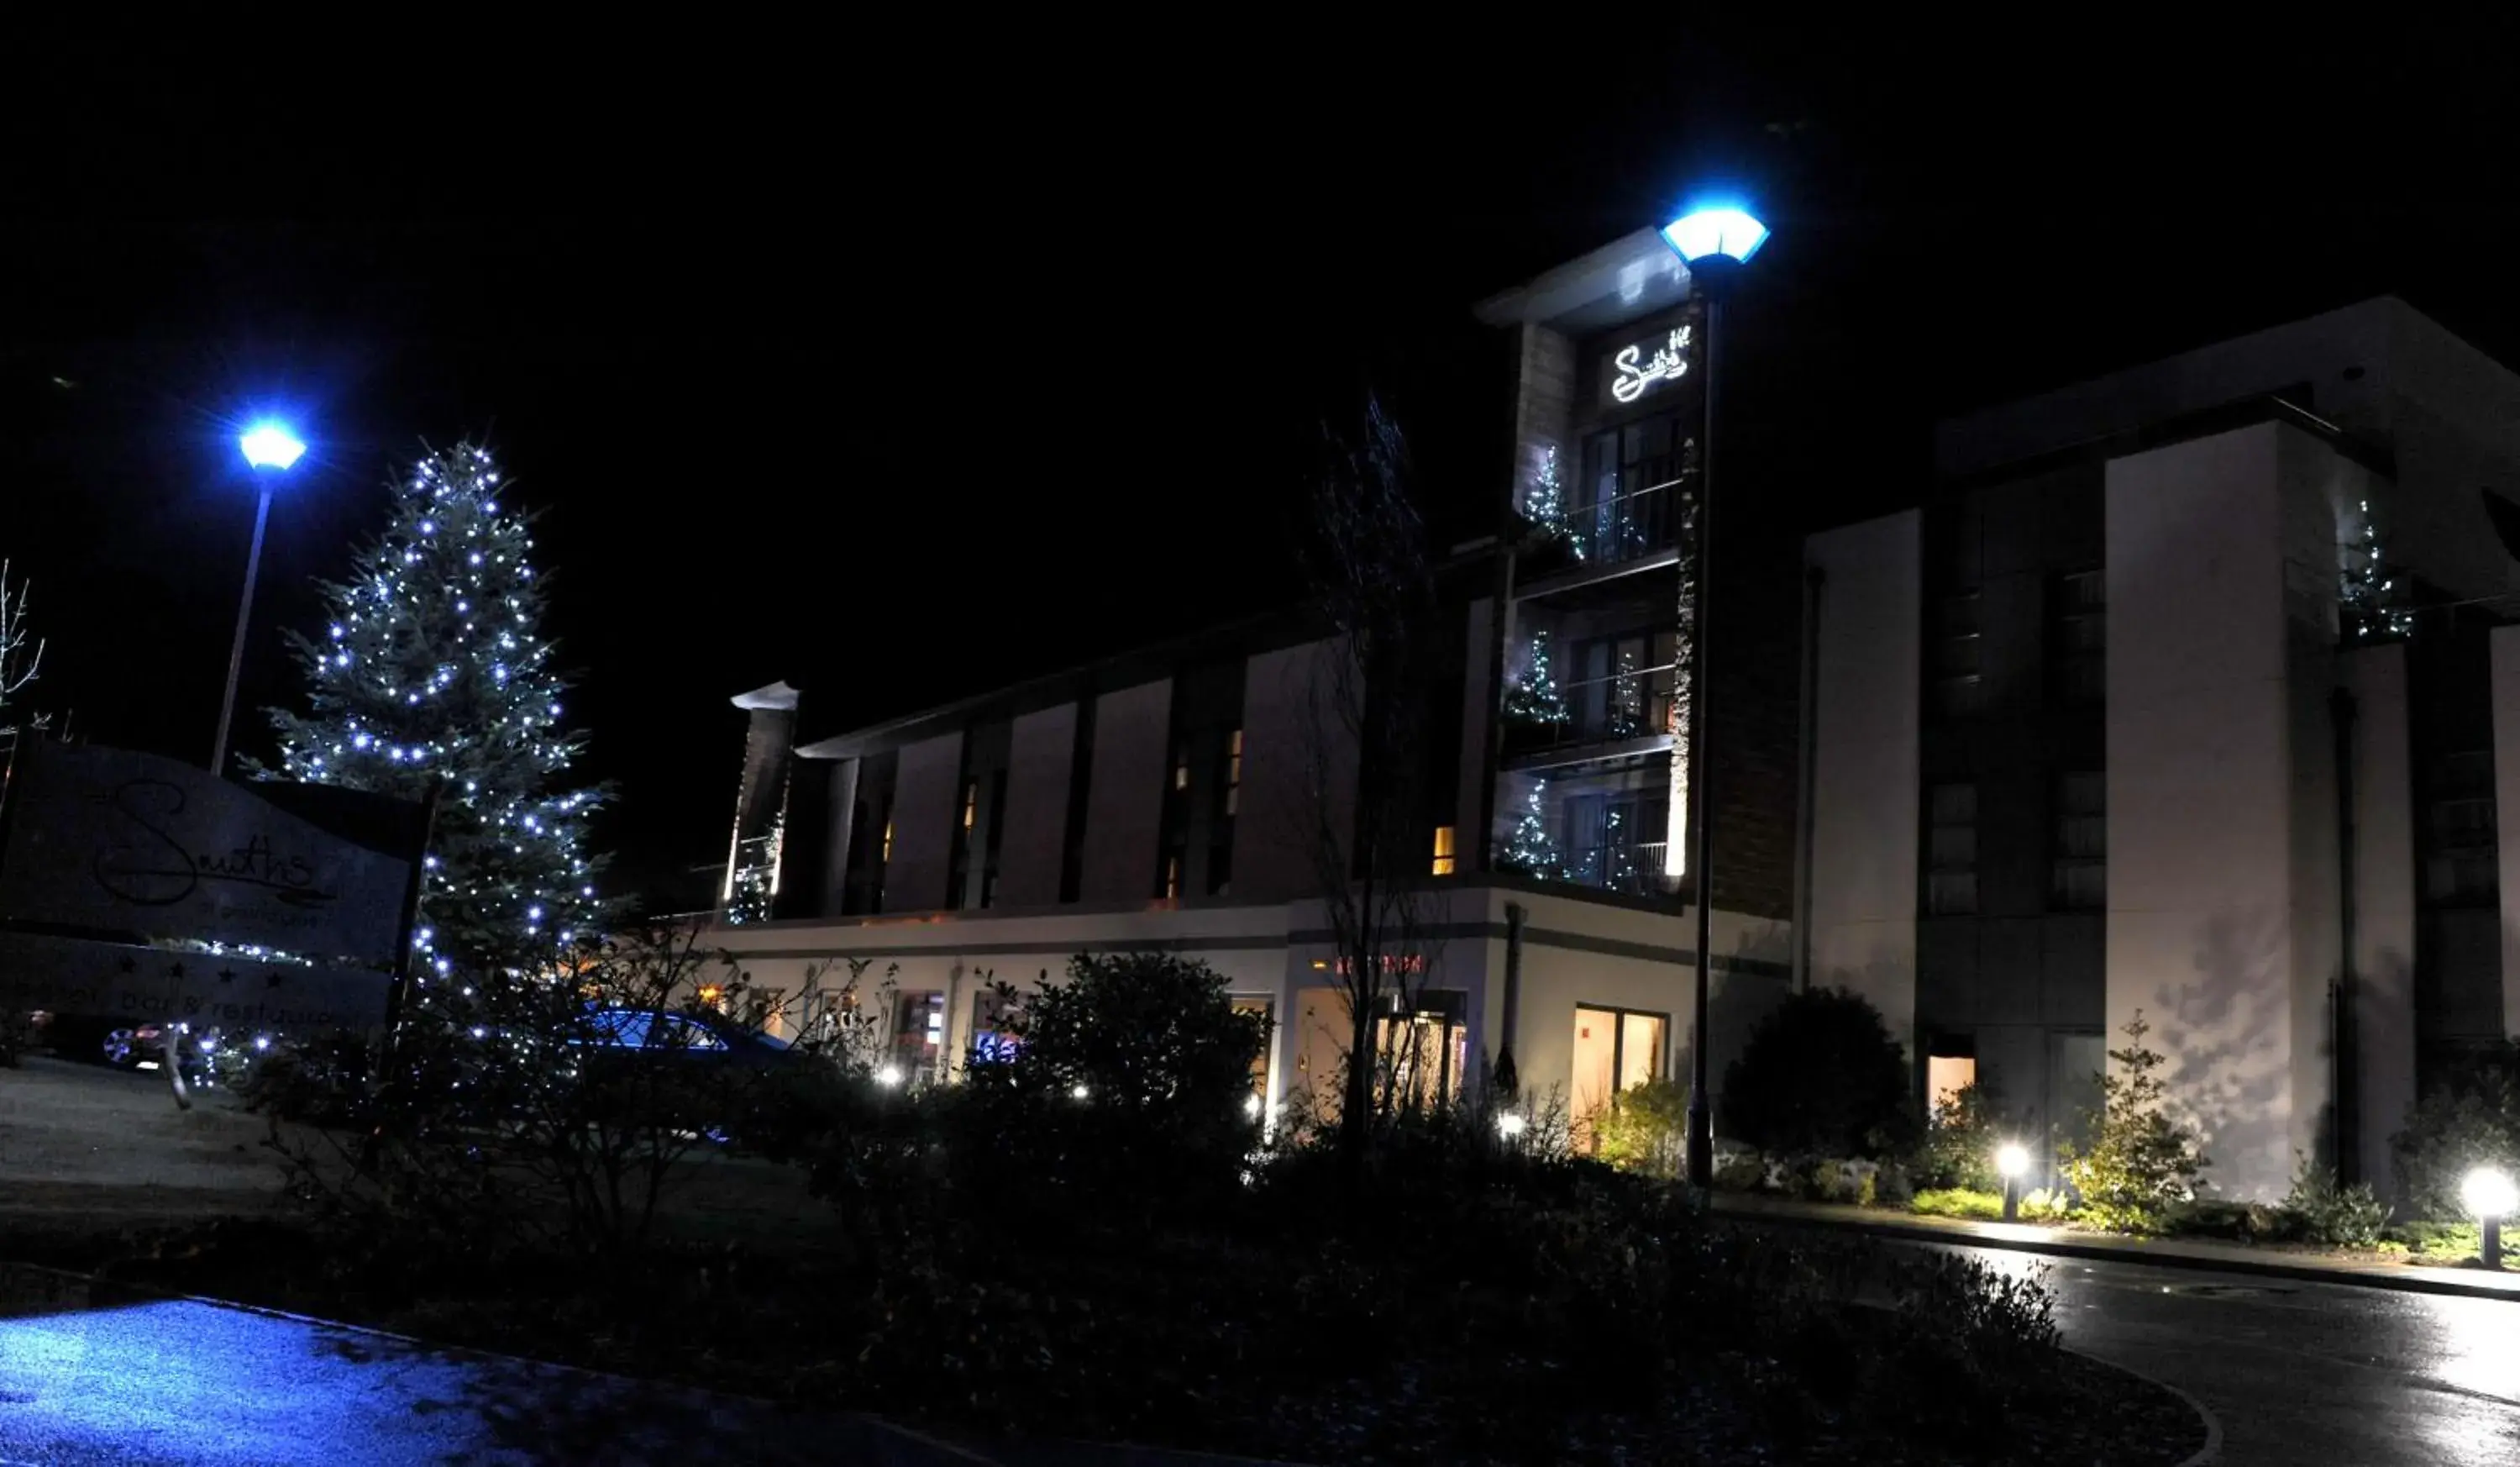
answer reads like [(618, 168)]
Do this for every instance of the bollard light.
[(1251, 1106), (2490, 1194), (1509, 1125), (889, 1076), (1078, 1091), (2011, 1161)]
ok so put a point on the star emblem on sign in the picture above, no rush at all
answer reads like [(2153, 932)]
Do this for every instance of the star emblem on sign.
[(271, 979), (227, 975)]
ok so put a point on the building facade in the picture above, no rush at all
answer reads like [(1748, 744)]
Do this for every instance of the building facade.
[(2188, 690), (1178, 799)]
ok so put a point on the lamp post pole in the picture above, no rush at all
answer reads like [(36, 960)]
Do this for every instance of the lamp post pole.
[(1701, 808), (235, 649), (1715, 243), (269, 450)]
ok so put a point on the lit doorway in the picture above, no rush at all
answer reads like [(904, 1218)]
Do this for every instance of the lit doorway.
[(1614, 1049)]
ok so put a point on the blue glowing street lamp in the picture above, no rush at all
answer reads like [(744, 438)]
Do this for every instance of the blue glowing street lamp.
[(1715, 242), (270, 449)]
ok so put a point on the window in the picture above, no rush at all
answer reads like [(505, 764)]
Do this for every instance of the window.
[(1615, 1050), (1169, 887), (1229, 804), (919, 1031), (1443, 850), (995, 838), (2078, 638), (1951, 850), (2080, 841), (1954, 666), (887, 838), (1423, 1052), (1616, 841), (970, 802), (1946, 1076), (1173, 844), (1623, 502), (2462, 864), (1267, 1009), (958, 880), (990, 1041), (1625, 686)]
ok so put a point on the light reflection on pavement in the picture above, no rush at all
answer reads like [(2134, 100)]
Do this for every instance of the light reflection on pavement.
[(2303, 1372)]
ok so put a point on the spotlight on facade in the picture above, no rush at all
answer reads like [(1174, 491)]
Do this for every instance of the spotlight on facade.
[(1721, 232), (1510, 1125), (889, 1076), (2012, 1162), (269, 446), (2490, 1194)]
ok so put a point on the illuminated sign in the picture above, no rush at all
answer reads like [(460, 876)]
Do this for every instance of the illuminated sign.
[(1635, 372)]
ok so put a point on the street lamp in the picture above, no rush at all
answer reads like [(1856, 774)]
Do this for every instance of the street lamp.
[(1715, 243), (2492, 1197), (2012, 1159), (270, 448)]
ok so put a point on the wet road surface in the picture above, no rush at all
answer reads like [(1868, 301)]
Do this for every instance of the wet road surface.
[(2305, 1372)]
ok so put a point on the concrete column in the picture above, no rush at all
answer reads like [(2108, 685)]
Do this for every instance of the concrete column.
[(2505, 659), (2383, 1029), (1865, 763)]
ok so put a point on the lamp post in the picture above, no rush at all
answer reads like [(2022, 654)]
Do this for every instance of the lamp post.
[(2012, 1159), (269, 449), (2493, 1198), (1715, 243)]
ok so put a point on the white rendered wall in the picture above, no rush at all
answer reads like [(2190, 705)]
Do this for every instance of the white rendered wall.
[(2505, 655), (1865, 763), (1124, 797), (923, 824), (1041, 753), (2223, 882)]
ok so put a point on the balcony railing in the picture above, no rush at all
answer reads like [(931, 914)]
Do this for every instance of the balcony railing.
[(1604, 709), (753, 880), (1623, 526), (1633, 867)]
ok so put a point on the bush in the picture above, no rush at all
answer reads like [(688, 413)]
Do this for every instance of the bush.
[(1958, 1201), (2470, 1118), (2435, 1242), (2319, 1211), (17, 1036), (1821, 1077), (1958, 1149), (2140, 1162), (1135, 1068), (1646, 1131)]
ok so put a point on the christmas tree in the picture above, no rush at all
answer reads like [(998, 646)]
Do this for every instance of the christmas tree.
[(1534, 697), (433, 669), (1543, 504), (2374, 611), (1530, 849)]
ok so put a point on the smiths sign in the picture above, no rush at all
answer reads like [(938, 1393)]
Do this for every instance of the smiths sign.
[(113, 842), (1648, 364)]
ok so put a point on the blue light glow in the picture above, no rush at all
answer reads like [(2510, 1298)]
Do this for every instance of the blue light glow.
[(268, 445), (1705, 232)]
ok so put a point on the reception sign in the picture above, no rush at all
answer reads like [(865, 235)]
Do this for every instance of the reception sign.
[(156, 986), (112, 842)]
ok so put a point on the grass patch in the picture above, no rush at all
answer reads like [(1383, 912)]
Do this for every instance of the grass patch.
[(1958, 1201), (2433, 1242)]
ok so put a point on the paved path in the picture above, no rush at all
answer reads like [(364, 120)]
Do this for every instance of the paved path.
[(2301, 1373)]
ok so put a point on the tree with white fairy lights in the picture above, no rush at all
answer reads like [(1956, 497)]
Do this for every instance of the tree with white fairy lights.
[(433, 666), (1533, 697), (1531, 850)]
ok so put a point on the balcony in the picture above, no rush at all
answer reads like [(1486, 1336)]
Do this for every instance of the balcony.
[(754, 879), (1635, 868), (1633, 531), (1632, 713)]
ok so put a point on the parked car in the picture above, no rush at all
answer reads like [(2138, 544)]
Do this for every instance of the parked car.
[(695, 1070), (98, 1038)]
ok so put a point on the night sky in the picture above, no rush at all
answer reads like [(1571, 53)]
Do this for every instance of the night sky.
[(906, 370)]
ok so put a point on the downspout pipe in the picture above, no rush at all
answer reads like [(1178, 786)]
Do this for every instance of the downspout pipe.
[(1807, 762), (2344, 1056)]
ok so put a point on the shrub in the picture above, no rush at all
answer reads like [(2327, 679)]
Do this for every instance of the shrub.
[(2470, 1118), (1821, 1077), (17, 1034), (2140, 1162), (1135, 1068), (1646, 1131), (1958, 1149), (1957, 1202), (2318, 1209), (2435, 1242)]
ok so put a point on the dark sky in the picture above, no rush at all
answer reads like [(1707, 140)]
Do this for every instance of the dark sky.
[(918, 364)]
